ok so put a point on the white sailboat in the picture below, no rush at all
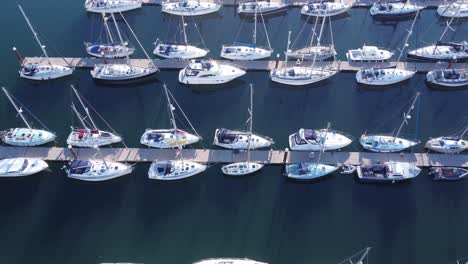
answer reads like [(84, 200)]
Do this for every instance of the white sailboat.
[(111, 6), (246, 167), (89, 135), (386, 76), (169, 138), (108, 48), (312, 140), (190, 7), (442, 50), (97, 170), (454, 9), (394, 9), (390, 143), (127, 71), (182, 51), (41, 71), (301, 75), (209, 72), (451, 78), (243, 51), (262, 7), (449, 145), (310, 170), (325, 9), (28, 136), (19, 167)]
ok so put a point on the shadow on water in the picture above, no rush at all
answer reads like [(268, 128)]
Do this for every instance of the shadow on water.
[(211, 88)]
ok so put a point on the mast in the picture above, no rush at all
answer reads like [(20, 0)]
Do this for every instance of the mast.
[(79, 116), (84, 107), (445, 30), (406, 116), (314, 33), (318, 39), (120, 38), (287, 49), (323, 144), (266, 32), (173, 122), (464, 132), (183, 29), (364, 255), (109, 34), (410, 32), (35, 34), (19, 110), (249, 138), (255, 28)]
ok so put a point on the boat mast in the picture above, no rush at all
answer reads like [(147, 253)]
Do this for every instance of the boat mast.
[(172, 118), (410, 32), (249, 138), (287, 49), (264, 28), (314, 32), (464, 132), (109, 34), (79, 117), (35, 34), (318, 39), (183, 29), (445, 30), (364, 255), (84, 107), (120, 38), (406, 116), (255, 28), (19, 110)]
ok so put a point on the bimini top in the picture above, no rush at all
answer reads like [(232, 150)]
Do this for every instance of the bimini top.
[(164, 168), (227, 136), (80, 166), (309, 134), (200, 65)]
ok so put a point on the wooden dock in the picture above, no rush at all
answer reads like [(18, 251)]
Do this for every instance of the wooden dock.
[(212, 156), (263, 65)]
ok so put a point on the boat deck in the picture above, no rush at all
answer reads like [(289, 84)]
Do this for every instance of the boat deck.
[(263, 65), (275, 157)]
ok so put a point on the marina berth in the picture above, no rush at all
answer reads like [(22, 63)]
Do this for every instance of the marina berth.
[(325, 9), (369, 53), (235, 139), (448, 145), (97, 170), (448, 173), (455, 9), (111, 6), (209, 72), (448, 77), (174, 169), (18, 167), (312, 139), (261, 7), (394, 9), (190, 7), (308, 170), (388, 172)]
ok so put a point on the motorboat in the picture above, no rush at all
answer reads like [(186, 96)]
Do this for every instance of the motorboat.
[(383, 76), (18, 167), (241, 168), (388, 172), (445, 51), (111, 6), (453, 10), (369, 53), (309, 53), (234, 139), (174, 169), (448, 77), (228, 261), (190, 8), (41, 71), (261, 7), (348, 169), (312, 139), (208, 72), (97, 170), (308, 170), (325, 9), (25, 136), (448, 173), (300, 75), (244, 51), (448, 145), (394, 9)]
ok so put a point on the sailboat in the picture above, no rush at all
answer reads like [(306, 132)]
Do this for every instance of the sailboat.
[(123, 72), (209, 72), (109, 49), (454, 9), (169, 138), (262, 7), (89, 135), (190, 7), (312, 140), (111, 6), (19, 167), (41, 71), (394, 9), (390, 143), (27, 136), (387, 172), (451, 78), (389, 75), (442, 50), (248, 167), (319, 51), (310, 170), (243, 51), (449, 145), (182, 51), (301, 75), (325, 9)]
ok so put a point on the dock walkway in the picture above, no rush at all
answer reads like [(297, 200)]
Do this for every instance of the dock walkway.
[(264, 65), (274, 157)]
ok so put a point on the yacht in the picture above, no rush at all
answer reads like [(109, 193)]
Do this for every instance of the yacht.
[(394, 9), (41, 71), (312, 139), (97, 170), (300, 75), (190, 7), (234, 139), (388, 172), (448, 173), (325, 9), (383, 76), (448, 77), (174, 169), (453, 10), (89, 135), (369, 53), (111, 49), (449, 145), (18, 167), (28, 136), (446, 51), (111, 6), (261, 7), (308, 170), (208, 72), (228, 261)]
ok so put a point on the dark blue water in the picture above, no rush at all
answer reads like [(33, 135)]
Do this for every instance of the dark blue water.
[(51, 219)]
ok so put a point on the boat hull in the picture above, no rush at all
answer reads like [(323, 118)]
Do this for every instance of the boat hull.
[(124, 6), (121, 72), (386, 144), (391, 76), (33, 166), (182, 52), (241, 168), (54, 72), (195, 168), (303, 76), (25, 137), (168, 138), (205, 8), (244, 53)]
